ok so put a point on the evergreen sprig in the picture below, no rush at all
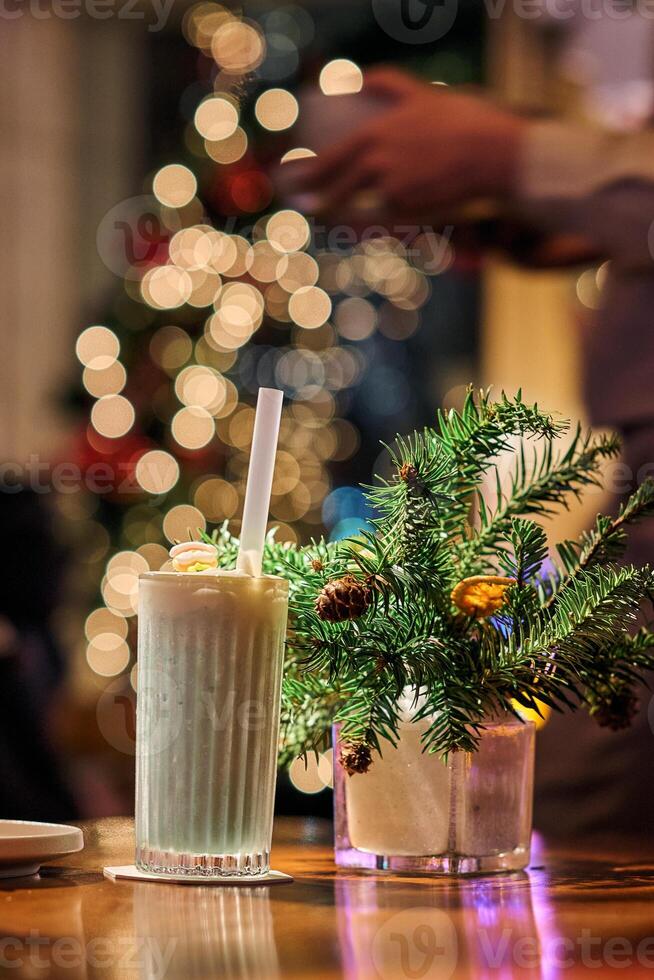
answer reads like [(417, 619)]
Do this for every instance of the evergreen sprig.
[(433, 646), (536, 487)]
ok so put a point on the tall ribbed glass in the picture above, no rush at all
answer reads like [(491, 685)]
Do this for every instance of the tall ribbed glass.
[(210, 657)]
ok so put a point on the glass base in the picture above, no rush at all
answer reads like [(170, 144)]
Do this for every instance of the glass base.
[(156, 861), (434, 864)]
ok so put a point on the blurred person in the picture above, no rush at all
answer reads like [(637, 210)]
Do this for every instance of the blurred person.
[(32, 784), (561, 191)]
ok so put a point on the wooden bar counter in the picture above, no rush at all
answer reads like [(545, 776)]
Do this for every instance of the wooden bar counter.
[(574, 911)]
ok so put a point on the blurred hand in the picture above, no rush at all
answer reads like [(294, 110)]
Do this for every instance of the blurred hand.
[(433, 149)]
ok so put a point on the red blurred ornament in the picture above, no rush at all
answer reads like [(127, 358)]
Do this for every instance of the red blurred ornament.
[(251, 191), (108, 466), (241, 187)]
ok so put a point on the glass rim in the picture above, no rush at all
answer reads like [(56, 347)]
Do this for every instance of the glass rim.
[(211, 576)]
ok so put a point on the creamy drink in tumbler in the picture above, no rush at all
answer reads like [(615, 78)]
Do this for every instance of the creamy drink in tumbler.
[(210, 664), (211, 646)]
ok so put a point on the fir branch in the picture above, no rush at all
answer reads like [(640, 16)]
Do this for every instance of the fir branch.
[(423, 468), (608, 539), (621, 663), (429, 572), (370, 717), (409, 507), (528, 550), (483, 428), (560, 639), (476, 436), (592, 607), (510, 670), (633, 649), (528, 543), (606, 542), (536, 488), (308, 708), (454, 712)]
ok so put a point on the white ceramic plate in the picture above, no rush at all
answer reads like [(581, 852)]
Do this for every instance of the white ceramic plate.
[(24, 846)]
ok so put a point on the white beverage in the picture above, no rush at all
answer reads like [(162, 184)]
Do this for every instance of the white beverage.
[(209, 684)]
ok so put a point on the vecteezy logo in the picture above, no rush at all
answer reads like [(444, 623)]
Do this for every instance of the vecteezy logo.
[(116, 716), (416, 943), (415, 21), (161, 699), (133, 236)]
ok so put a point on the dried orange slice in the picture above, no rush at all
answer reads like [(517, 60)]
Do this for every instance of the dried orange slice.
[(481, 595)]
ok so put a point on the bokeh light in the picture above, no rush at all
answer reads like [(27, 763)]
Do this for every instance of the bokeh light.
[(105, 381), (297, 153), (216, 118), (355, 318), (170, 347), (239, 312), (341, 77), (282, 58), (182, 520), (310, 306), (191, 248), (193, 427), (105, 620), (276, 109), (112, 416), (166, 287), (301, 270), (121, 584), (311, 775), (201, 385), (126, 563), (217, 499), (237, 250), (228, 150), (225, 251), (253, 302), (238, 46), (266, 263), (204, 288), (155, 555), (588, 290), (288, 231), (174, 185), (108, 655), (201, 21), (97, 348), (157, 471)]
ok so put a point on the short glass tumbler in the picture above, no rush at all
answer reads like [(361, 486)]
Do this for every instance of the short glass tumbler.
[(414, 812), (210, 657)]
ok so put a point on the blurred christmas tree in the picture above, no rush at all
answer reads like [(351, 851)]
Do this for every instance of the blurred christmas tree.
[(225, 290)]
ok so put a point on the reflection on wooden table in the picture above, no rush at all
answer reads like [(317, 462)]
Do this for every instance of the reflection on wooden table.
[(573, 911)]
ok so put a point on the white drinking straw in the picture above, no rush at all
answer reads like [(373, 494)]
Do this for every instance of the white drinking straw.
[(260, 477)]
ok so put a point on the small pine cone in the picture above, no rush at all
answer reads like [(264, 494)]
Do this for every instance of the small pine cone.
[(344, 598), (408, 473), (355, 758), (317, 565), (618, 711)]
